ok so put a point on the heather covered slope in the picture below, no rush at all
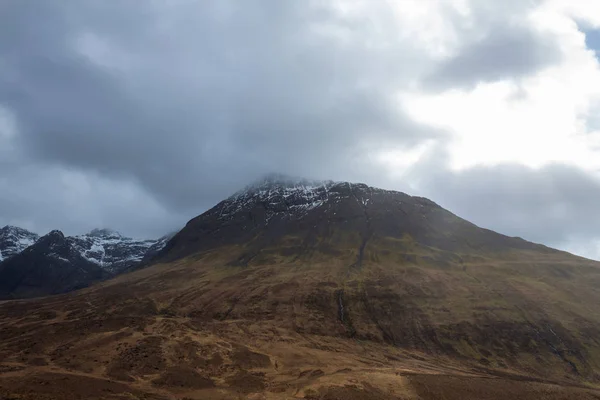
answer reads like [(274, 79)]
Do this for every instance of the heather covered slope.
[(199, 329), (322, 291), (529, 312)]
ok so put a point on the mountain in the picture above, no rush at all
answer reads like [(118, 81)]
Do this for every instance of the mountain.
[(319, 290), (50, 266), (325, 217), (112, 251), (14, 240), (56, 263)]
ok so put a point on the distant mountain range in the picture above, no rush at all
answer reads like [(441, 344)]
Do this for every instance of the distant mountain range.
[(36, 266)]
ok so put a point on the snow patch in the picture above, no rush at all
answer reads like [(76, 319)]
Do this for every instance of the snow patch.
[(14, 240), (110, 250)]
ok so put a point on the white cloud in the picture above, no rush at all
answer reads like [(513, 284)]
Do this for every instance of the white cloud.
[(586, 11), (535, 120)]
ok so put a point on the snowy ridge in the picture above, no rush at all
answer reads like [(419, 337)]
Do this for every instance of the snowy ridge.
[(14, 240), (280, 195), (105, 248), (110, 250), (279, 198), (285, 198)]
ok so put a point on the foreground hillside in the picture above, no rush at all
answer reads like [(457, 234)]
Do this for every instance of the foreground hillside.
[(320, 291)]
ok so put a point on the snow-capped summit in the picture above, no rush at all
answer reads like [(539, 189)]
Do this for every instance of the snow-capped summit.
[(279, 216), (56, 263), (104, 233), (275, 180), (104, 247), (14, 240), (110, 250), (279, 195)]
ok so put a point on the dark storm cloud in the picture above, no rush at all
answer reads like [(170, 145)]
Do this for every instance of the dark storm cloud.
[(193, 101)]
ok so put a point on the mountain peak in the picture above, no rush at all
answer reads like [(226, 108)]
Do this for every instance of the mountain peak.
[(54, 235), (279, 209), (56, 263), (14, 229), (276, 180), (104, 233), (14, 240)]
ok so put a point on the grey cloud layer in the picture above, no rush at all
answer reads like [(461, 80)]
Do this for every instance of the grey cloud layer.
[(138, 116), (554, 205), (497, 43), (221, 96), (506, 53)]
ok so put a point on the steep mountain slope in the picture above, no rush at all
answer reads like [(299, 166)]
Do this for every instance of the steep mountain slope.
[(320, 290), (40, 269), (14, 240)]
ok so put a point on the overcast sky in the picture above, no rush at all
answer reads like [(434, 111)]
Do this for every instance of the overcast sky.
[(139, 115)]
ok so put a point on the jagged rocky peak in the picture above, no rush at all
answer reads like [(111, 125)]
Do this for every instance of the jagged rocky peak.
[(105, 233), (111, 250), (15, 230), (14, 240), (55, 234), (56, 263), (52, 239)]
